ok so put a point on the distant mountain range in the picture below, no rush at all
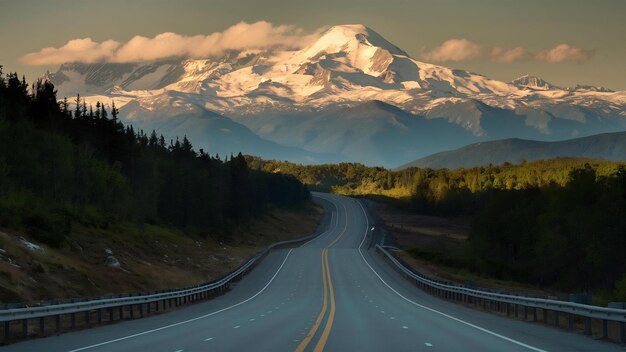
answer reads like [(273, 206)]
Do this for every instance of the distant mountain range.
[(608, 146), (351, 95)]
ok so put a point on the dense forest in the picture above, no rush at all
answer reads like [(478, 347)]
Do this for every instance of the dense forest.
[(60, 165), (555, 223)]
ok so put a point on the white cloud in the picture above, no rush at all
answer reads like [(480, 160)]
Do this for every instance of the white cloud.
[(85, 49), (258, 35), (454, 50), (565, 52), (499, 54)]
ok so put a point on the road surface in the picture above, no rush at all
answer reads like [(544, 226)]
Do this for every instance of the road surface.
[(334, 293)]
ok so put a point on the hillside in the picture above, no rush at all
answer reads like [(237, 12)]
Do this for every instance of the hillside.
[(89, 206), (343, 97), (127, 257), (608, 146)]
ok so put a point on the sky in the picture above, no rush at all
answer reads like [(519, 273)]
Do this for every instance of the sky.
[(565, 42)]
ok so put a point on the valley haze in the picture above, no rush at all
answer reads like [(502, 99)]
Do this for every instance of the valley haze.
[(348, 94)]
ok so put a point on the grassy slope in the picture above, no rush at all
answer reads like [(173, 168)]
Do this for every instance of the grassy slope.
[(151, 257)]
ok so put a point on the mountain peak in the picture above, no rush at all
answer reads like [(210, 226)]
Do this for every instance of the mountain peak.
[(533, 82), (350, 37)]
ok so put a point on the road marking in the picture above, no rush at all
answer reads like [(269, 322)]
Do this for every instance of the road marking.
[(492, 333), (324, 234), (179, 351), (405, 327), (331, 315), (189, 320), (328, 291), (209, 339), (251, 319), (236, 326), (428, 344), (320, 316), (392, 318)]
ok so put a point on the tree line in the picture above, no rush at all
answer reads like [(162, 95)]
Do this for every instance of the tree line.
[(62, 164), (557, 223)]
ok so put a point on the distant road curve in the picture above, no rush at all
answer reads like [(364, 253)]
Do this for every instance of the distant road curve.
[(334, 293)]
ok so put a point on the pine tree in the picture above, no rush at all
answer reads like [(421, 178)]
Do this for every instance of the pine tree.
[(84, 108), (77, 111), (153, 141), (114, 111), (64, 106), (103, 113)]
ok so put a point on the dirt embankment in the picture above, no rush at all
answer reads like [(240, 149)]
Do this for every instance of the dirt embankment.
[(131, 258)]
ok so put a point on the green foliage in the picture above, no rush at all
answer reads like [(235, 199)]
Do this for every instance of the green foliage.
[(56, 168), (559, 223), (620, 289)]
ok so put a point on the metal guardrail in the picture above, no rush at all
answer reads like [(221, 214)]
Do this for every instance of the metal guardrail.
[(174, 297), (458, 292)]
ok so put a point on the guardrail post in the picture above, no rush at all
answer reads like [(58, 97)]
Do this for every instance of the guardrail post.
[(73, 320), (148, 307), (99, 314), (545, 316), (508, 309), (25, 328), (87, 318), (121, 312), (587, 326), (7, 330), (57, 322), (516, 311), (570, 321), (605, 329), (525, 313), (556, 318), (111, 314), (622, 331), (132, 311), (41, 326), (141, 310), (534, 314)]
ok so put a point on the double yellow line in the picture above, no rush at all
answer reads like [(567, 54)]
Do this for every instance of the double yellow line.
[(328, 292)]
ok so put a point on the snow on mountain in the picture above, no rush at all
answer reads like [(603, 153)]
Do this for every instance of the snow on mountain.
[(344, 68), (533, 82)]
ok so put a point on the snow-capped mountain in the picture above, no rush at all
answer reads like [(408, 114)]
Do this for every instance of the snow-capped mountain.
[(533, 82), (351, 94)]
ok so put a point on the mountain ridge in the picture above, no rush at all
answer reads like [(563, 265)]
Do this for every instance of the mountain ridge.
[(345, 67), (608, 146)]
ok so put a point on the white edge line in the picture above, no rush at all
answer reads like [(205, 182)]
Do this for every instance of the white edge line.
[(433, 310), (185, 321), (325, 233)]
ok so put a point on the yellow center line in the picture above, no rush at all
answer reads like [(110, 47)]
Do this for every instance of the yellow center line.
[(328, 291), (318, 321), (329, 323)]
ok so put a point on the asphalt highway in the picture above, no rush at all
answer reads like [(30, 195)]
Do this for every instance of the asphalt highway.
[(334, 293)]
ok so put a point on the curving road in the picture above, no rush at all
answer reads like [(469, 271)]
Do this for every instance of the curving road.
[(334, 293)]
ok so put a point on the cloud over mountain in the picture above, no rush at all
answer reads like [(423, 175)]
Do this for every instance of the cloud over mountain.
[(454, 50), (565, 52), (463, 50), (258, 35), (499, 54)]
